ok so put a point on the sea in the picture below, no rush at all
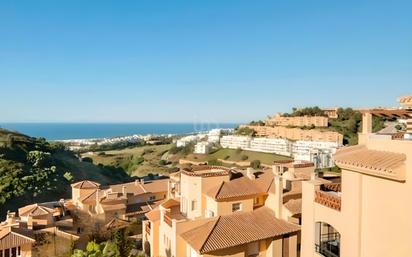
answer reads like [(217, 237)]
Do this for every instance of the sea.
[(65, 131)]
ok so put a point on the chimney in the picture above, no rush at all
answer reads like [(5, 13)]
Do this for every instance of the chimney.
[(136, 182), (142, 181), (124, 192), (11, 217), (278, 196), (366, 123), (277, 169), (30, 222), (250, 173)]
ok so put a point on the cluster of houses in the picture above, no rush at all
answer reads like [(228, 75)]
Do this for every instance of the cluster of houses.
[(286, 210)]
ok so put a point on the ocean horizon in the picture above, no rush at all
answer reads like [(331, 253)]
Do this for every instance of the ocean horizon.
[(65, 131)]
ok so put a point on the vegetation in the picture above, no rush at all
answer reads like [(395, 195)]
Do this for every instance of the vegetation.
[(307, 111), (32, 169), (349, 124), (245, 131), (135, 161), (255, 164), (236, 155), (257, 123)]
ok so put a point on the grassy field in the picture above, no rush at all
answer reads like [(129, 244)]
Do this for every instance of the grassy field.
[(236, 155), (137, 161)]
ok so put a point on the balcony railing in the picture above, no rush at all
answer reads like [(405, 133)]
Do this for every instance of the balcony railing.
[(328, 199)]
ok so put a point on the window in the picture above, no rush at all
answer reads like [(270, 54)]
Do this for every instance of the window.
[(327, 240), (236, 207), (194, 205), (14, 252), (209, 214)]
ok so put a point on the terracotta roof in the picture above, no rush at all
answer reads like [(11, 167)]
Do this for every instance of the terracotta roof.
[(14, 237), (377, 163), (114, 207), (153, 215), (90, 198), (206, 171), (238, 188), (170, 203), (137, 187), (117, 223), (86, 184), (237, 229), (407, 100), (140, 208), (294, 206), (265, 180), (34, 210)]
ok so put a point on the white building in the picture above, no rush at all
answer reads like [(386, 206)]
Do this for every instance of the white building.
[(214, 135), (271, 145), (318, 152), (234, 142), (203, 147), (189, 139)]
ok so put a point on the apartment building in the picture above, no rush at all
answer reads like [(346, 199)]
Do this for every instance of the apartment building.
[(299, 121), (92, 208), (332, 113), (14, 240), (189, 139), (297, 134), (203, 147), (318, 152), (219, 211), (271, 145), (367, 214), (126, 201), (234, 142)]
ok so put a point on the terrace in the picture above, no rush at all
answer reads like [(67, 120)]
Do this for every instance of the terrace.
[(329, 195)]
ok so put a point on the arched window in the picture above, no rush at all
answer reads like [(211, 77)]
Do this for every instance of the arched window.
[(327, 240)]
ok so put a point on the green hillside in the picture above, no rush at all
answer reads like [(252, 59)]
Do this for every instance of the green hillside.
[(34, 170)]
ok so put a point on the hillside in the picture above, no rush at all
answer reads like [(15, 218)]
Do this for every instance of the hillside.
[(34, 170)]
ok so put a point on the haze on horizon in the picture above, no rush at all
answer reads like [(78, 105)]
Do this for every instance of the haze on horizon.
[(210, 61)]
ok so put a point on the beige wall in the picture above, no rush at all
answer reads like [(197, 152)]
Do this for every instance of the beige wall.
[(375, 219), (225, 208), (298, 134), (192, 188)]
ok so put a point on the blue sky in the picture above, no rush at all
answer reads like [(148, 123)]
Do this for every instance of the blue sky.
[(210, 61)]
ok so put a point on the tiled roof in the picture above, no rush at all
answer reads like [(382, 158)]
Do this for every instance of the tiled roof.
[(86, 184), (137, 187), (405, 99), (378, 163), (294, 206), (206, 171), (90, 198), (14, 237), (117, 223), (170, 203), (237, 229), (237, 188), (34, 210), (153, 215), (140, 208)]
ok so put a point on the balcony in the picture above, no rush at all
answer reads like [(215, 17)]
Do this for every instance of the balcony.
[(329, 195)]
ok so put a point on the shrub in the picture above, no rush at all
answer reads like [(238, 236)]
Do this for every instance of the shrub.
[(244, 157), (255, 164)]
